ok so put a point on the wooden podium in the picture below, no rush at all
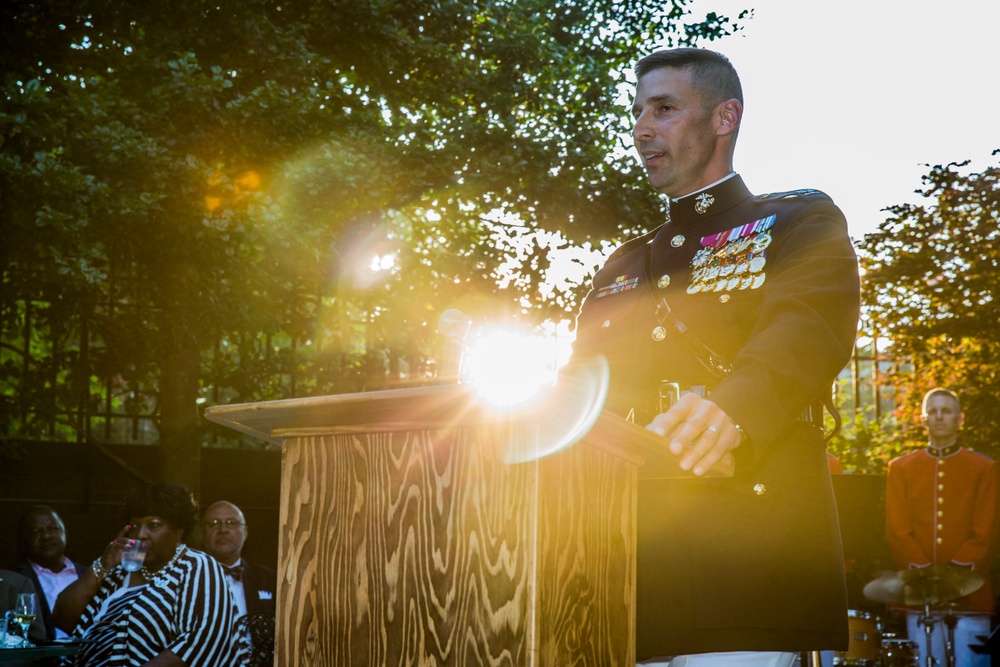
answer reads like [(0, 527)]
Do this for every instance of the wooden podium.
[(422, 527)]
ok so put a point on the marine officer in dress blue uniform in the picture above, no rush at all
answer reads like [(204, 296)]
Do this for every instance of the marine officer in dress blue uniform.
[(723, 330)]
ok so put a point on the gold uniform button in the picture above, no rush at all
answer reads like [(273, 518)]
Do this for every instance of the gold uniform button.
[(940, 514), (940, 501), (677, 241), (723, 298), (759, 489), (940, 487), (663, 282), (605, 324), (941, 473), (940, 541)]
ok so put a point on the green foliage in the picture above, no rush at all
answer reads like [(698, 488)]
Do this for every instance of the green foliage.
[(931, 285), (208, 184), (865, 446)]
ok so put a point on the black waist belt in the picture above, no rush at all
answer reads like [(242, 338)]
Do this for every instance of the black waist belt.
[(671, 392)]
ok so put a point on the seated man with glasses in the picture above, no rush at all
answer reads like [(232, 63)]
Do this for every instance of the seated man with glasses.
[(224, 531)]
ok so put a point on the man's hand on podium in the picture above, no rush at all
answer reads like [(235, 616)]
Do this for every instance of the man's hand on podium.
[(698, 431)]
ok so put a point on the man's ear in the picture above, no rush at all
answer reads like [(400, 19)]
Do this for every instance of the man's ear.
[(730, 113)]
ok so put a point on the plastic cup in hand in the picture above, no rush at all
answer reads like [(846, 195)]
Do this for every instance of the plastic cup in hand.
[(24, 615), (133, 556)]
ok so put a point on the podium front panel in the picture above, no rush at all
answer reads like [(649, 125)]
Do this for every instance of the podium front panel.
[(430, 547)]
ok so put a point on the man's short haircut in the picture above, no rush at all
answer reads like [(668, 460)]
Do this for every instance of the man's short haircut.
[(23, 532), (939, 392), (711, 71)]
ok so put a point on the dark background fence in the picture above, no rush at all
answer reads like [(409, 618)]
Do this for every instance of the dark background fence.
[(87, 487)]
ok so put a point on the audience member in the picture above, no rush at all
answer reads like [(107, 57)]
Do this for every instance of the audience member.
[(175, 610), (42, 545), (224, 530)]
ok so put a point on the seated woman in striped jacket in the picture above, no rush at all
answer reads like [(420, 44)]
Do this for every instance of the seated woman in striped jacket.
[(174, 610)]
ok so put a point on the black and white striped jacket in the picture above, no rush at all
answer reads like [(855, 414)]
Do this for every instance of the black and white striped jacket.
[(187, 609)]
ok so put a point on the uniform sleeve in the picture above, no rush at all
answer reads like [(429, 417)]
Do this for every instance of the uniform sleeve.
[(206, 618), (899, 530), (979, 549), (804, 331)]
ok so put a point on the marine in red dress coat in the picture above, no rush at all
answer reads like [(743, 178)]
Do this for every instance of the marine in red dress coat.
[(942, 502)]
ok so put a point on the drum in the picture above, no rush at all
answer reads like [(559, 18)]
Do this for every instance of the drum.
[(865, 644), (899, 653)]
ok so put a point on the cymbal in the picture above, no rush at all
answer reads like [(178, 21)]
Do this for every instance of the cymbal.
[(931, 585)]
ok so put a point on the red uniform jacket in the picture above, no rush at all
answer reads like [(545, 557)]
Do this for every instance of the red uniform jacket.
[(942, 510)]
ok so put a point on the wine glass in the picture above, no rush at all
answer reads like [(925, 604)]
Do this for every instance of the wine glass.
[(24, 615)]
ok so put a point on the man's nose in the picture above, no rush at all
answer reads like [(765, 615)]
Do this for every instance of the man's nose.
[(641, 130)]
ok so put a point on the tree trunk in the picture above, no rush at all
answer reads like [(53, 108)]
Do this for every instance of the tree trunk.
[(180, 369), (180, 435)]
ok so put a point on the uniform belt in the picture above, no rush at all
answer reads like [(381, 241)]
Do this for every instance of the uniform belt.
[(671, 392)]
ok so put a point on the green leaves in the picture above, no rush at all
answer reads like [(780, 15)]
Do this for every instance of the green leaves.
[(932, 284), (205, 176)]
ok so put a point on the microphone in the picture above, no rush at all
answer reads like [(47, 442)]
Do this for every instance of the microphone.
[(454, 325)]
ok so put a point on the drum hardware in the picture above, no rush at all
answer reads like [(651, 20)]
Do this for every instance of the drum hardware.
[(899, 653), (865, 641), (927, 587)]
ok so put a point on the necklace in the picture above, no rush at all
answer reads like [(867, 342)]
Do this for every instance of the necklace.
[(150, 576)]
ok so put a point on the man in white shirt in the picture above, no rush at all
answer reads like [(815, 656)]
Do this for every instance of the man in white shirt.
[(42, 542), (224, 532)]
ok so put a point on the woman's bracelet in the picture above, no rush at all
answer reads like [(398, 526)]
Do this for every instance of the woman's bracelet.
[(99, 570)]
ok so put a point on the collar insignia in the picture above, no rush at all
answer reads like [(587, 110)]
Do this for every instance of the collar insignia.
[(704, 201)]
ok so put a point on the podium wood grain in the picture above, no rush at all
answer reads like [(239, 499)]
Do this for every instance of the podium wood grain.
[(426, 547)]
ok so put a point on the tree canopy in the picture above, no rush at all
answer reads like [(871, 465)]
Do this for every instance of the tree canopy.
[(931, 285), (228, 201)]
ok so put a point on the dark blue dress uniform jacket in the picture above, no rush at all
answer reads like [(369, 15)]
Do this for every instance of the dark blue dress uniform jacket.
[(770, 283)]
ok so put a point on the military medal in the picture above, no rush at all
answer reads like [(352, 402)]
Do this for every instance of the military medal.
[(733, 259), (761, 241), (621, 284)]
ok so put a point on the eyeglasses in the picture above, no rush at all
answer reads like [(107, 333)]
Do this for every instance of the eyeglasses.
[(228, 523)]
